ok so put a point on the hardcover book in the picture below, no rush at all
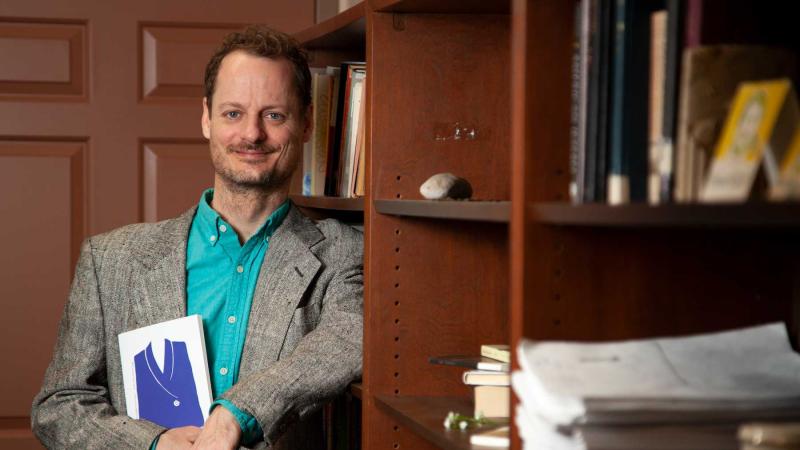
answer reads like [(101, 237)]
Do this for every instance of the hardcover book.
[(165, 372), (758, 115), (492, 401), (709, 82), (500, 352), (486, 378)]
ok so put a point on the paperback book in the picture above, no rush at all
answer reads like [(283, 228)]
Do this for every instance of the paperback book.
[(165, 372)]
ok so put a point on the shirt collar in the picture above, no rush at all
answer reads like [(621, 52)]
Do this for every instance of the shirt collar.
[(210, 220)]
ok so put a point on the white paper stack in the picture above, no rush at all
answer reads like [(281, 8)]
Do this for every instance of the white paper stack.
[(671, 393)]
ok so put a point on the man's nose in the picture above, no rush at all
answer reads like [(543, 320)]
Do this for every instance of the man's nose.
[(254, 130)]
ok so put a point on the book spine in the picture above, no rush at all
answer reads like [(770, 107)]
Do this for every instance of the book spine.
[(575, 150), (618, 191), (603, 41), (321, 91), (627, 179), (658, 38), (332, 171), (495, 367), (669, 115)]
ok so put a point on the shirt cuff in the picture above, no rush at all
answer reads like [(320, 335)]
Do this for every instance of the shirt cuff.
[(251, 430)]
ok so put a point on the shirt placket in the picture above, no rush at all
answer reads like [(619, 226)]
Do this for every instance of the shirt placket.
[(226, 356)]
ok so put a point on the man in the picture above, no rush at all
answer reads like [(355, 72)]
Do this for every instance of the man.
[(280, 295)]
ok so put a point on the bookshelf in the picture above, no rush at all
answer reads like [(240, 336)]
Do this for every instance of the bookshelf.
[(436, 273), (594, 272), (518, 260)]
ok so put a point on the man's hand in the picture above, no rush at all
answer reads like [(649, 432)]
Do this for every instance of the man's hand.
[(221, 432), (178, 438)]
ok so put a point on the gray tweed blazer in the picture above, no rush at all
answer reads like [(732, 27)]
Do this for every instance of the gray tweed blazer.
[(303, 344)]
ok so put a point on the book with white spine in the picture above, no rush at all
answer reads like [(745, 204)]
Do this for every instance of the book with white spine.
[(165, 372)]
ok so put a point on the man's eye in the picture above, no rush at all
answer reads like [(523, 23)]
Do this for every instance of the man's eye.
[(274, 116), (233, 114)]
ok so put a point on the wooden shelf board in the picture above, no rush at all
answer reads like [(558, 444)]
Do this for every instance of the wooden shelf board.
[(484, 211), (755, 215), (425, 417), (345, 30), (444, 6), (334, 203)]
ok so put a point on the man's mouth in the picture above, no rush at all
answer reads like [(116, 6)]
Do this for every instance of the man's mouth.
[(253, 150)]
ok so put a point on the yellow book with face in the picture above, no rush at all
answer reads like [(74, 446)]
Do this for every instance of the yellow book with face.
[(747, 133)]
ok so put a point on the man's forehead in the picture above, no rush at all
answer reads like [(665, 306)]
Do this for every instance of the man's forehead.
[(240, 60), (240, 72)]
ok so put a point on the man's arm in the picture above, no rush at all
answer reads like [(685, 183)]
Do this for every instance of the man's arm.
[(73, 409), (324, 361)]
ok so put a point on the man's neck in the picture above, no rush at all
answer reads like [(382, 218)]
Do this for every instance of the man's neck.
[(246, 210)]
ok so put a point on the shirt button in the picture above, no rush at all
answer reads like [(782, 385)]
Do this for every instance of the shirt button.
[(223, 228), (212, 238), (231, 319), (223, 371), (239, 269)]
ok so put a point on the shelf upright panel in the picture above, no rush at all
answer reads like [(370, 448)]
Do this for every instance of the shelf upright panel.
[(433, 286), (541, 51)]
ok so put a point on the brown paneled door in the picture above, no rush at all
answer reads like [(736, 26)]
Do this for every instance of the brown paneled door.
[(100, 105)]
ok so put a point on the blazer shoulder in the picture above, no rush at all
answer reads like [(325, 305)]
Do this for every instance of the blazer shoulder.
[(142, 241)]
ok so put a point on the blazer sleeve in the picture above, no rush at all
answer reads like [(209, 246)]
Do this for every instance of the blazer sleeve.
[(73, 409), (325, 360)]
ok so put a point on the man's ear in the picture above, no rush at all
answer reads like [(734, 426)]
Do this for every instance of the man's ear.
[(309, 123), (205, 120)]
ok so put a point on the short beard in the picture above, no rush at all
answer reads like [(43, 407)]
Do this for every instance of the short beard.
[(267, 182)]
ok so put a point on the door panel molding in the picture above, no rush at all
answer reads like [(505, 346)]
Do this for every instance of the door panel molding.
[(50, 60), (174, 174), (173, 57)]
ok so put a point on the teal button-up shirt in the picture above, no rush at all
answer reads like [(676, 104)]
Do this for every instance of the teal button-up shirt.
[(220, 281)]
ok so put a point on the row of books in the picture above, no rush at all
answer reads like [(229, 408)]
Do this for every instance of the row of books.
[(681, 393), (490, 380), (653, 82), (334, 159)]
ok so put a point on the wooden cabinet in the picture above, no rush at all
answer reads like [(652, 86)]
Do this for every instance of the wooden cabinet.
[(436, 273), (517, 261), (597, 272)]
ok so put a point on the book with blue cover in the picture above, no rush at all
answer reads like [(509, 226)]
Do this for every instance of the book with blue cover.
[(165, 372)]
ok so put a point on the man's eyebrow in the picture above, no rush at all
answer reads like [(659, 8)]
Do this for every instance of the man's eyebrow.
[(233, 104), (241, 106)]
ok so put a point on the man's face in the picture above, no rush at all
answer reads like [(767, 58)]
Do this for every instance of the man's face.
[(256, 127)]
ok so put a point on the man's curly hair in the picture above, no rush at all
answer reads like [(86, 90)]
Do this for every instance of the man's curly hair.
[(260, 40)]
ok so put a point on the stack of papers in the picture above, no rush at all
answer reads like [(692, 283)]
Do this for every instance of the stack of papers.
[(672, 393)]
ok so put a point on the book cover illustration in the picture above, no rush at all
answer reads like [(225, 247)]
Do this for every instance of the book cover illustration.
[(748, 130), (165, 373)]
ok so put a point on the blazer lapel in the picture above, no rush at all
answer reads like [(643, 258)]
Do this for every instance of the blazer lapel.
[(288, 269), (163, 282)]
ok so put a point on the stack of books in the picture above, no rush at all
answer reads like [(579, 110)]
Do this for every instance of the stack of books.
[(489, 378), (491, 382), (673, 393)]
